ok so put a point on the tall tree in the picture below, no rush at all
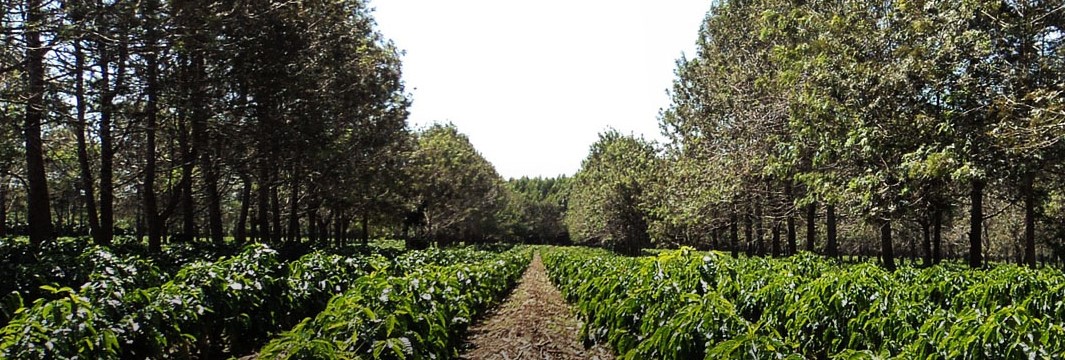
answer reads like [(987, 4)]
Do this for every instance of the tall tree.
[(457, 192), (39, 216), (87, 185), (607, 199)]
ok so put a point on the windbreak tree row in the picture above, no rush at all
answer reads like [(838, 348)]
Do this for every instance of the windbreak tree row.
[(184, 119), (266, 120), (927, 129)]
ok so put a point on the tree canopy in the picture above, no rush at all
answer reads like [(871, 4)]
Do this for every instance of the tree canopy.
[(896, 113)]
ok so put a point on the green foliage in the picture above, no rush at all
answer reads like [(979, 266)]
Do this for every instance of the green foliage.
[(606, 203), (124, 312), (419, 315), (684, 304), (236, 304), (314, 278), (652, 307), (458, 194), (86, 321), (72, 261), (542, 203), (886, 111), (231, 306)]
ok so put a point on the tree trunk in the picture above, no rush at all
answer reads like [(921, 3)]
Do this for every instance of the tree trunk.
[(263, 211), (293, 213), (913, 250), (188, 159), (174, 195), (734, 237), (759, 230), (138, 226), (776, 239), (792, 242), (107, 149), (365, 228), (338, 231), (40, 214), (88, 189), (275, 206), (326, 225), (811, 231), (107, 187), (312, 225), (214, 200), (976, 221), (240, 233), (1028, 192), (887, 252), (200, 145), (926, 234), (151, 206), (715, 238), (3, 206), (832, 243), (937, 233), (748, 231)]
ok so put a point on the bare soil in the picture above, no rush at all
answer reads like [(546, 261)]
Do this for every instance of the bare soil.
[(533, 323)]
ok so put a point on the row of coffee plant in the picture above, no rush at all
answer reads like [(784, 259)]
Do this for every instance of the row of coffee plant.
[(31, 273), (420, 315), (207, 310), (684, 305)]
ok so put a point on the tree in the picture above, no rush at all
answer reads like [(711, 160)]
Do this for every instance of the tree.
[(1026, 128), (40, 217), (457, 193), (607, 199), (541, 204), (879, 112)]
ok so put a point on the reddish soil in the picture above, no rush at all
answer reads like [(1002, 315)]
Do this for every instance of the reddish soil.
[(533, 323)]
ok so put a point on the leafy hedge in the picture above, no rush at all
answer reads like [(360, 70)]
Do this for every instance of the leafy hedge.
[(419, 315), (684, 305)]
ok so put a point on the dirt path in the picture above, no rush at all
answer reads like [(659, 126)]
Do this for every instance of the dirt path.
[(533, 323)]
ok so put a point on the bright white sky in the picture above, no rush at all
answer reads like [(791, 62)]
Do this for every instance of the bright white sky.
[(533, 83)]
